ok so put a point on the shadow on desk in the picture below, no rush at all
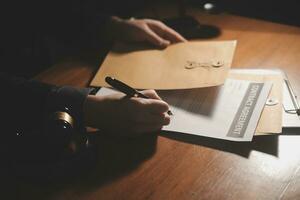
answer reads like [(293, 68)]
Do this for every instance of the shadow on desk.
[(118, 156), (191, 28), (115, 157), (267, 144)]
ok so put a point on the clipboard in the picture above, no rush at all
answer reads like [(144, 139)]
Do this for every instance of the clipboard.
[(291, 110)]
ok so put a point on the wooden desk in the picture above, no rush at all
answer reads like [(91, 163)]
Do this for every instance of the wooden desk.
[(178, 167)]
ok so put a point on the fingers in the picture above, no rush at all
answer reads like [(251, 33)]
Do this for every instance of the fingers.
[(152, 105), (149, 111), (143, 124), (151, 94), (155, 39), (165, 32), (141, 120), (150, 123), (140, 30), (152, 119), (155, 104)]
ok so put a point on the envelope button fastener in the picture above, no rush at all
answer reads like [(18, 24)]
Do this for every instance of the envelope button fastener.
[(271, 102)]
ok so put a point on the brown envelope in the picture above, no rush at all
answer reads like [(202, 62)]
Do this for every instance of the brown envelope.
[(144, 68), (271, 118)]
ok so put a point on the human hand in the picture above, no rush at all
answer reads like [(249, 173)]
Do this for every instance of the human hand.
[(141, 30), (121, 115)]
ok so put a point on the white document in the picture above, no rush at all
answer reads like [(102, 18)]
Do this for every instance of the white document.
[(229, 112)]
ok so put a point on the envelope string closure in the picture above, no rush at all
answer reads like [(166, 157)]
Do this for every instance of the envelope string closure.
[(193, 64)]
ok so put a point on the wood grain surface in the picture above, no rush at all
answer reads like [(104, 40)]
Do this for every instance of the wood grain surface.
[(175, 166)]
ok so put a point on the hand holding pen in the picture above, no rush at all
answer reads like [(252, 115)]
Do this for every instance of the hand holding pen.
[(127, 114), (126, 89)]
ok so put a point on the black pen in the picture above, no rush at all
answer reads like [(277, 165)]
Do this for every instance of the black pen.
[(126, 89)]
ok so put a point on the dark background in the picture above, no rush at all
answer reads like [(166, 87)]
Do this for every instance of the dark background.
[(22, 29), (281, 11)]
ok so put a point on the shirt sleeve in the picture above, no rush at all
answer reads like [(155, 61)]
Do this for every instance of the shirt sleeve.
[(25, 109)]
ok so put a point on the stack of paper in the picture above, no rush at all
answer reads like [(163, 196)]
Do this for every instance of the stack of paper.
[(206, 99), (228, 112)]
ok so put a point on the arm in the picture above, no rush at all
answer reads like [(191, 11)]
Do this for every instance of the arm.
[(26, 111), (27, 107), (84, 21)]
